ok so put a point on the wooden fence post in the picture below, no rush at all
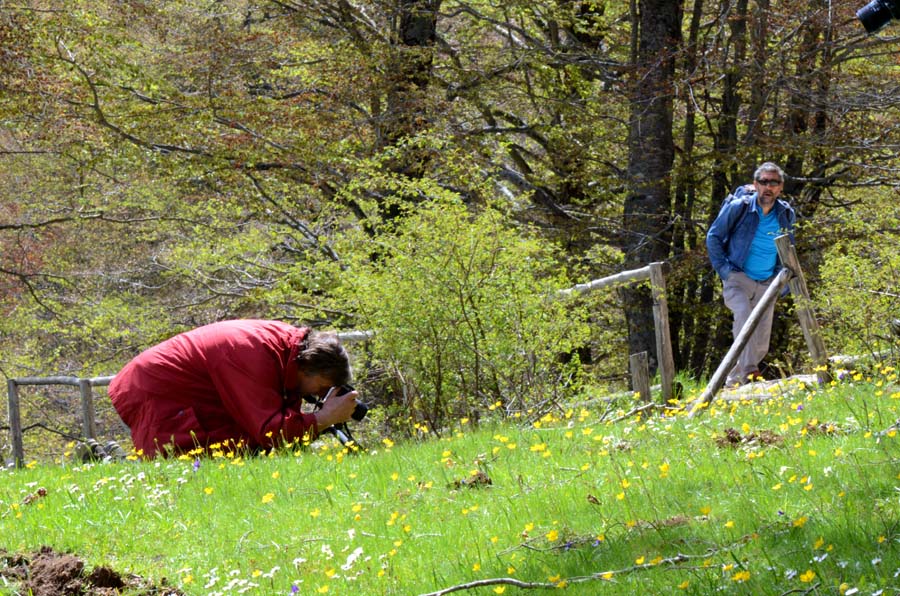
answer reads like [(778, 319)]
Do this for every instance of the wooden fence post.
[(718, 378), (640, 376), (15, 423), (664, 356), (88, 418), (803, 305)]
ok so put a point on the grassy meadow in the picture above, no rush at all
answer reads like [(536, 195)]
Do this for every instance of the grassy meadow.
[(795, 494)]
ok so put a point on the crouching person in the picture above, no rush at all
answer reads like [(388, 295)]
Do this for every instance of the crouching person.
[(232, 382)]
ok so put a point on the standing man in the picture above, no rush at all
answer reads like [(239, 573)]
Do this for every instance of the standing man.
[(233, 382), (741, 246)]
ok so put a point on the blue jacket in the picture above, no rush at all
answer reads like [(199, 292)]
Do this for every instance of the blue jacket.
[(730, 235)]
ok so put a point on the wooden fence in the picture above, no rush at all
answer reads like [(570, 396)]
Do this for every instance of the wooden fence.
[(653, 272)]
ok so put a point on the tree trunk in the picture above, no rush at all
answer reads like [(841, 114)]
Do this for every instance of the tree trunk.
[(651, 154)]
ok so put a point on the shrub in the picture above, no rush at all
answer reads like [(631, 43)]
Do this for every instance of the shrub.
[(860, 278), (465, 313)]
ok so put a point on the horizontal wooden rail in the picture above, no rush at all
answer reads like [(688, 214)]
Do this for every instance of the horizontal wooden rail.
[(619, 278)]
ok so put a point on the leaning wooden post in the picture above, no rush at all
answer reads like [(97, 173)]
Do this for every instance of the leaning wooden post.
[(663, 338), (718, 378), (88, 419), (640, 376), (803, 305), (15, 423)]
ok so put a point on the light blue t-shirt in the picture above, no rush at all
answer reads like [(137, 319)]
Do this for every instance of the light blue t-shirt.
[(763, 255)]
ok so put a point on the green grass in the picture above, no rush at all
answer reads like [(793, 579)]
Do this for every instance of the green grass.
[(644, 505)]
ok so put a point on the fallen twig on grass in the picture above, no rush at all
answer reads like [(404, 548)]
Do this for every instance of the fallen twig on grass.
[(600, 575), (494, 582)]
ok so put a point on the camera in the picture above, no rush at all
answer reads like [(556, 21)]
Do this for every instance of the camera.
[(361, 409), (878, 13)]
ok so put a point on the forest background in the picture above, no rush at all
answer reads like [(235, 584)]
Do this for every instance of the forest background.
[(434, 170)]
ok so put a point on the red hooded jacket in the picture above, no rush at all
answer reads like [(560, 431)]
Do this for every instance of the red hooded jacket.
[(228, 381)]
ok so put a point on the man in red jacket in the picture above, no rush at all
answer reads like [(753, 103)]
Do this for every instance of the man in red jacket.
[(233, 381)]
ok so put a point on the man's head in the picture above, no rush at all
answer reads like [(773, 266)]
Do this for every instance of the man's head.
[(322, 357), (768, 180)]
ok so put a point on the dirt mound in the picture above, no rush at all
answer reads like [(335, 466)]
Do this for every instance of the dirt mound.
[(49, 573), (733, 438)]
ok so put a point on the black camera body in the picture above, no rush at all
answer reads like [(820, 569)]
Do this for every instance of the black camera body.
[(878, 13)]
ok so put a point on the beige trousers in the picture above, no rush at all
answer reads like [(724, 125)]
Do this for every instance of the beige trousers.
[(741, 296)]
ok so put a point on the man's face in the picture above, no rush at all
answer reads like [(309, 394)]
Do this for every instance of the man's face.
[(316, 385), (768, 186)]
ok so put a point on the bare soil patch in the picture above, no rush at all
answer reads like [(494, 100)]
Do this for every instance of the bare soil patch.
[(50, 573), (734, 438)]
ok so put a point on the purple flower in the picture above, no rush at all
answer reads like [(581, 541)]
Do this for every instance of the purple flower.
[(799, 407), (295, 589), (196, 465)]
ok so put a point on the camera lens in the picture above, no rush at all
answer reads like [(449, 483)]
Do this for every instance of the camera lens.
[(360, 411), (876, 14)]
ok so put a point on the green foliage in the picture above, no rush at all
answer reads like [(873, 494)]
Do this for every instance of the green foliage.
[(860, 291), (463, 307)]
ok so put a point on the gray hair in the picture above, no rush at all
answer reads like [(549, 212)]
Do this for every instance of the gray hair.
[(768, 167)]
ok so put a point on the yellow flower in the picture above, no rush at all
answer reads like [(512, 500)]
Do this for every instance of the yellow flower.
[(315, 512), (639, 561), (800, 521), (552, 535), (607, 576), (276, 474), (268, 498), (684, 585), (729, 524), (741, 576), (499, 589), (476, 567), (808, 576), (208, 490)]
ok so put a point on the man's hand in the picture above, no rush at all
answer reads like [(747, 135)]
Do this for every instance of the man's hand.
[(336, 408)]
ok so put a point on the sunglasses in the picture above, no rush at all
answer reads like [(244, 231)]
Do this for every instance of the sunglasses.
[(769, 181)]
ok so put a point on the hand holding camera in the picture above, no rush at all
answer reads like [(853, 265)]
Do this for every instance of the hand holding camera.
[(339, 405)]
